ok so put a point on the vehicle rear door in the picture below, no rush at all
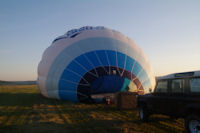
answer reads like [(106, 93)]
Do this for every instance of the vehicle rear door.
[(178, 96)]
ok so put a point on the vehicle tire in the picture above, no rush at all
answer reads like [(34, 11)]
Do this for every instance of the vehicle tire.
[(192, 124), (143, 113)]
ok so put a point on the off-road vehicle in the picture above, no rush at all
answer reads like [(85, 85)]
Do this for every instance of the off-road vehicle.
[(176, 95)]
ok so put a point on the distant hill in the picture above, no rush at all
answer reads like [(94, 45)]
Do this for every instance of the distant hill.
[(17, 82)]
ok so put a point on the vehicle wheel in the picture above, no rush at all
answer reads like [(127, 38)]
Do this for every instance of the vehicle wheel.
[(192, 124), (143, 113)]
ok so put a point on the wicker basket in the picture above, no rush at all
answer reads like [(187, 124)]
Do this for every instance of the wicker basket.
[(126, 100)]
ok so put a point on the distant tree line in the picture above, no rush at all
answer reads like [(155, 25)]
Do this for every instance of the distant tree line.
[(17, 82)]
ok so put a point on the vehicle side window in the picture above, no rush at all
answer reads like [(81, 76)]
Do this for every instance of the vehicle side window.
[(195, 85), (178, 86), (161, 86)]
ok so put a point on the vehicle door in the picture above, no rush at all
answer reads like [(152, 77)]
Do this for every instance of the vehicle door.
[(158, 100), (194, 92)]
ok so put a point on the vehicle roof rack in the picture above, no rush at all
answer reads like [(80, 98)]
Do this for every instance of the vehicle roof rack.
[(179, 75)]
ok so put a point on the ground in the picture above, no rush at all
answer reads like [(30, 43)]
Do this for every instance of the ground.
[(24, 110)]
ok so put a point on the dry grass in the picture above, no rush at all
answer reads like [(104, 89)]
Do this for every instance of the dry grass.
[(23, 109)]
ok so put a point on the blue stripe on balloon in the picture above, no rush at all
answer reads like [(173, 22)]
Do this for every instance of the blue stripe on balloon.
[(121, 59), (67, 90), (68, 95), (129, 63), (136, 68), (111, 57), (98, 58), (66, 85), (92, 57), (86, 64), (102, 56), (76, 67), (68, 75)]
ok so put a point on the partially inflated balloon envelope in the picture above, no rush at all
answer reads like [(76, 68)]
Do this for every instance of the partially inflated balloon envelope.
[(91, 61)]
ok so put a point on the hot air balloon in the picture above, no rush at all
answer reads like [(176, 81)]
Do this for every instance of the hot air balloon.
[(90, 61)]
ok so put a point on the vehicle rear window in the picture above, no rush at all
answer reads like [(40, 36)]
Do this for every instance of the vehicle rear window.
[(195, 85), (178, 85), (161, 86)]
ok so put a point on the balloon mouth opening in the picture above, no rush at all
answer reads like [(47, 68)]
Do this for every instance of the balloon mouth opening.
[(119, 80), (112, 84)]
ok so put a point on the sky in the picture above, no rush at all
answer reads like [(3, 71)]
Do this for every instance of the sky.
[(168, 31)]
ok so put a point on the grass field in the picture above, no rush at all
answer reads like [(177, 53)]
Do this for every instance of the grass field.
[(24, 110)]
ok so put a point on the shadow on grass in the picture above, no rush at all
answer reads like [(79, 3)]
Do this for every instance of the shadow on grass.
[(31, 112), (97, 126), (27, 99), (18, 99), (94, 126)]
